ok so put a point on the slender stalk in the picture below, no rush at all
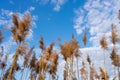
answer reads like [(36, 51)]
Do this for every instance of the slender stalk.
[(22, 74), (105, 66), (118, 74), (67, 69), (3, 70), (114, 71), (13, 62), (27, 74), (71, 67), (77, 69)]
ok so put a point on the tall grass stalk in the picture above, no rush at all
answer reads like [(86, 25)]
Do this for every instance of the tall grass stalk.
[(105, 64), (78, 69), (15, 58)]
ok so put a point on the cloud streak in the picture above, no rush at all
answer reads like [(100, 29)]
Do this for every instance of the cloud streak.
[(56, 3), (97, 15)]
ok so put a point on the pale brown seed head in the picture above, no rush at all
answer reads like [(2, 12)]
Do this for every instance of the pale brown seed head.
[(15, 20), (42, 63), (114, 53), (103, 74), (54, 62), (114, 78), (27, 57), (83, 71), (30, 51), (50, 48), (70, 48), (33, 62), (1, 36), (46, 56), (88, 59), (21, 28), (2, 65), (93, 73), (85, 38), (77, 53), (103, 43), (65, 50), (65, 75), (119, 14), (41, 41), (27, 20), (114, 34), (116, 61), (2, 52)]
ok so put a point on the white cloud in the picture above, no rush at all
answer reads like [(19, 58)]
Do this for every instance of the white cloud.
[(57, 3), (11, 2), (43, 1), (8, 46), (97, 57), (31, 8), (97, 15), (5, 17)]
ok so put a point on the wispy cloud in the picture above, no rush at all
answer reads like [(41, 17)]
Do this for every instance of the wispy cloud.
[(97, 15), (43, 1), (57, 3), (11, 2), (31, 8), (96, 56), (5, 17)]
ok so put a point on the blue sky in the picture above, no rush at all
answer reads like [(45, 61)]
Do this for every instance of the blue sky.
[(50, 22), (62, 18)]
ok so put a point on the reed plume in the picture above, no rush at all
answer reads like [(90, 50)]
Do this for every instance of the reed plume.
[(33, 62), (46, 66), (114, 39), (93, 73), (1, 36), (114, 78), (21, 28), (103, 74), (114, 35), (42, 47), (19, 31), (88, 60), (2, 52), (119, 14), (69, 51), (113, 54), (54, 64), (116, 61), (85, 37), (68, 48), (103, 43), (65, 74), (84, 73)]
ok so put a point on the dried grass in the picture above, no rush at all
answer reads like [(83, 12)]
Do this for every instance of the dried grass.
[(47, 64), (103, 43)]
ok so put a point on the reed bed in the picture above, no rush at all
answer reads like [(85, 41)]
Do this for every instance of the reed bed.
[(45, 66)]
